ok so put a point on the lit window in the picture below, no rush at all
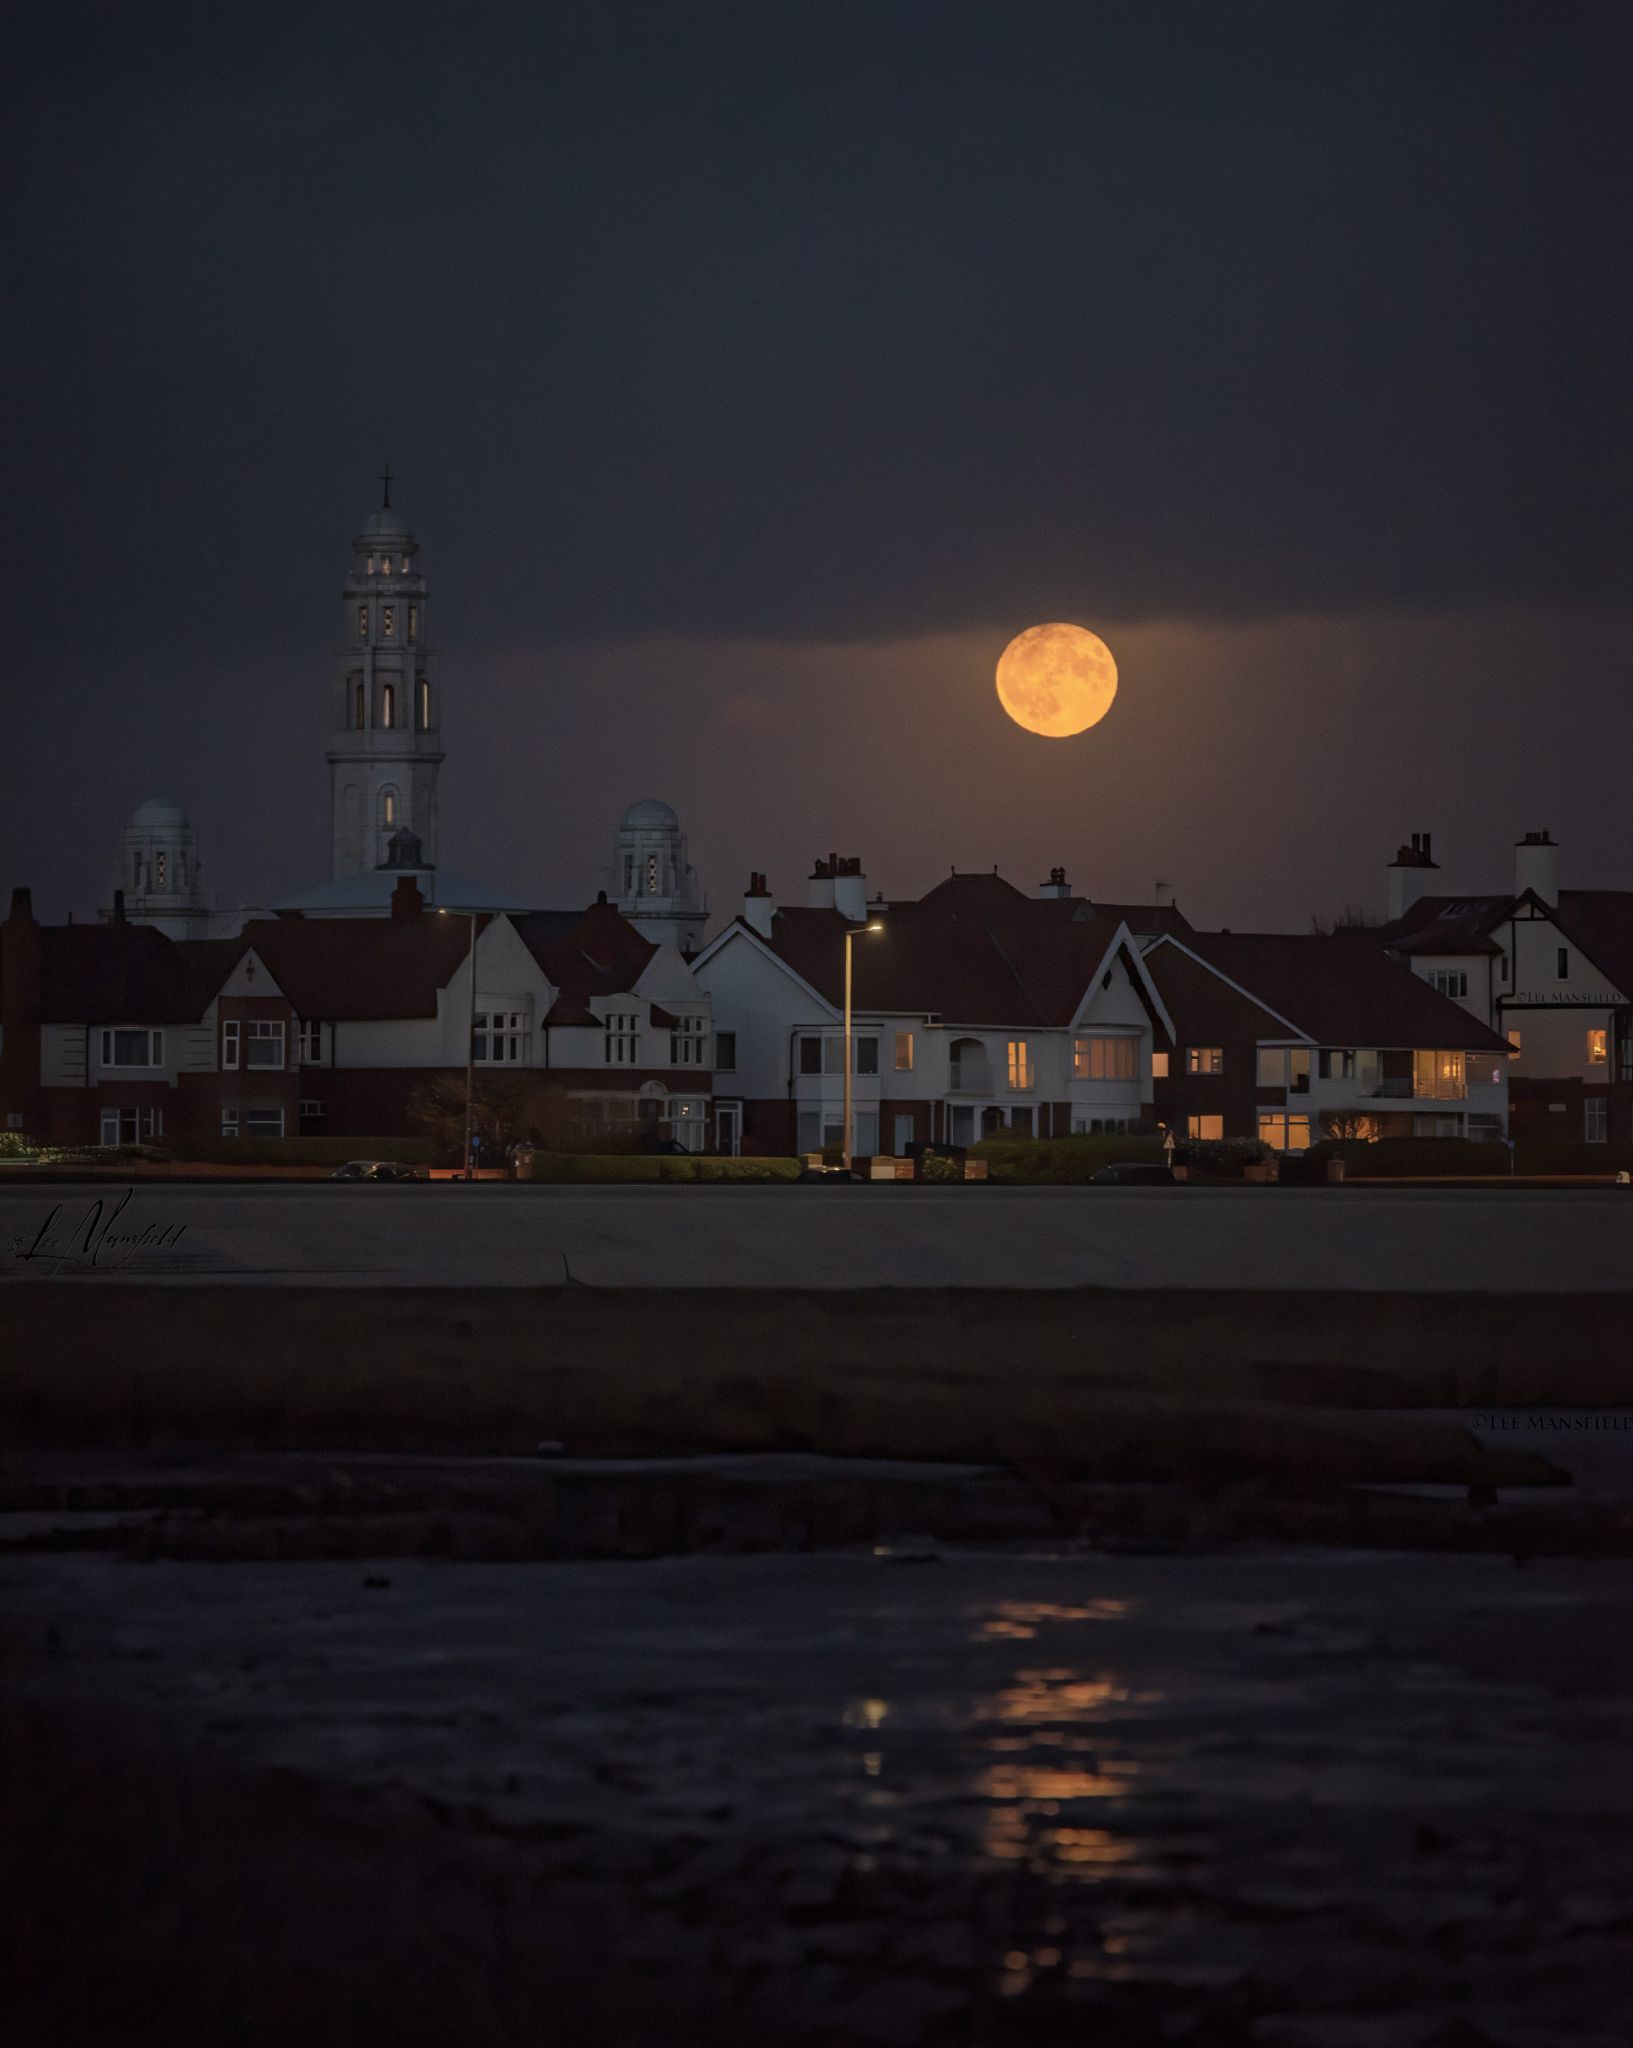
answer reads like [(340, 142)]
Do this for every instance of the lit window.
[(161, 869), (133, 1048), (264, 1044), (413, 621), (1514, 1040), (385, 570), (1598, 1046), (725, 1052), (623, 1039), (1337, 1064), (1205, 1126), (500, 1038), (360, 709), (867, 1055), (371, 565), (1562, 964), (1103, 1059), (388, 621), (904, 1052), (311, 1044), (1438, 1076), (686, 1043), (388, 807), (1021, 1072), (1450, 981), (1595, 1119), (362, 622), (425, 705), (1159, 1066), (1284, 1132), (229, 1042), (1204, 1059), (652, 874), (388, 704)]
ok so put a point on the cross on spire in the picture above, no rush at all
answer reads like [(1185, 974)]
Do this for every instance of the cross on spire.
[(385, 485)]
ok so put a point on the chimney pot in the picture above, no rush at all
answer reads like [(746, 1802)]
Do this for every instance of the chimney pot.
[(22, 905)]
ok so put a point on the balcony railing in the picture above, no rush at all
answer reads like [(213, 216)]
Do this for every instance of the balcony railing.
[(969, 1077), (1402, 1088)]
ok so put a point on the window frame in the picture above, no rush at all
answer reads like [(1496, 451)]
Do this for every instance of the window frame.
[(904, 1046), (509, 1028), (1019, 1066), (1195, 1054), (1104, 1056), (621, 1038), (112, 1033), (725, 1052), (264, 1031), (1598, 1035), (229, 1044)]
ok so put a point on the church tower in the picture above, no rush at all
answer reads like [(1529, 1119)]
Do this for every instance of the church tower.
[(159, 879), (385, 713), (654, 884)]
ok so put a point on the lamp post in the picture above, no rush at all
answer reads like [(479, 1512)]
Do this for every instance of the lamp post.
[(873, 925), (470, 1047)]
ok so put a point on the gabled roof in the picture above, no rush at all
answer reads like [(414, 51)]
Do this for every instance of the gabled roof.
[(1444, 924), (585, 953), (973, 950), (1206, 1006), (1600, 923), (120, 974), (1338, 990), (359, 969)]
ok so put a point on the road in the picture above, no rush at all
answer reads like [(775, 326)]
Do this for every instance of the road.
[(1440, 1241)]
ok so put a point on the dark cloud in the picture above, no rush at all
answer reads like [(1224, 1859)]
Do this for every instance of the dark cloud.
[(793, 323)]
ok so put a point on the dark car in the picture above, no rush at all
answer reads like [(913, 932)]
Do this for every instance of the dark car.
[(376, 1169), (1134, 1173)]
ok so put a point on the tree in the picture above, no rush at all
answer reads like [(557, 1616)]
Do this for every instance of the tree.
[(506, 1107), (1350, 919), (1350, 1123)]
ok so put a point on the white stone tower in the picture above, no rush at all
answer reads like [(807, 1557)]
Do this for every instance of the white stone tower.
[(654, 884), (159, 875), (385, 713)]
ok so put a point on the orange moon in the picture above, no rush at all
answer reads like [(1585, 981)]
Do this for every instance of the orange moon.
[(1057, 680)]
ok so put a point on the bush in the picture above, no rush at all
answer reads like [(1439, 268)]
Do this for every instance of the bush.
[(1411, 1158), (212, 1149), (1058, 1162), (1222, 1158), (1567, 1155), (609, 1168)]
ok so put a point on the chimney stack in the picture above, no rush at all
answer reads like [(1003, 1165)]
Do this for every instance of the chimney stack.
[(1057, 885), (406, 900), (758, 907), (119, 906), (1408, 875), (838, 883), (1536, 867)]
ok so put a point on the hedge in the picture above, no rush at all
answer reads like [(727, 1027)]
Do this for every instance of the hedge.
[(612, 1167), (1410, 1158), (1571, 1155), (1056, 1162), (216, 1150)]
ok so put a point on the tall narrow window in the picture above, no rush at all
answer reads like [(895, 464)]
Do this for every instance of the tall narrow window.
[(388, 704), (1598, 1046), (413, 621), (652, 874), (371, 565), (362, 622), (1562, 964), (1020, 1064), (360, 709), (388, 621), (161, 864), (388, 807), (904, 1052), (425, 705), (385, 570)]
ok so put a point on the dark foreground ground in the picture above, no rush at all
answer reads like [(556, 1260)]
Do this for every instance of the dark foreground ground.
[(1317, 1799)]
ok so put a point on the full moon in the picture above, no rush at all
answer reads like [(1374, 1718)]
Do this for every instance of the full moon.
[(1057, 680)]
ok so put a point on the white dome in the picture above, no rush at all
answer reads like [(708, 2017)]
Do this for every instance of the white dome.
[(650, 815), (159, 811)]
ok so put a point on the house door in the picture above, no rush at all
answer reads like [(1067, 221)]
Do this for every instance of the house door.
[(728, 1128), (904, 1136), (110, 1127)]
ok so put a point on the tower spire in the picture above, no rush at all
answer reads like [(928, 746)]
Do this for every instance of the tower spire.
[(385, 486)]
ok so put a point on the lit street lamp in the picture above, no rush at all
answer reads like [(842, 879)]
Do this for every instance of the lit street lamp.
[(470, 1046), (850, 933)]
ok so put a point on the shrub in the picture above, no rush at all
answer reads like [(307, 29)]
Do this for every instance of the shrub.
[(1568, 1155), (1222, 1158), (664, 1168)]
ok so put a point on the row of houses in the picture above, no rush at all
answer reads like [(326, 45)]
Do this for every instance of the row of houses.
[(975, 1008)]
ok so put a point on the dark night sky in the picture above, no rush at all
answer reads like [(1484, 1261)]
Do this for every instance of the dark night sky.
[(753, 373)]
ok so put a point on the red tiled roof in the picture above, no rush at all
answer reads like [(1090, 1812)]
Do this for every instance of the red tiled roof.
[(594, 952), (1340, 991), (361, 969), (974, 950)]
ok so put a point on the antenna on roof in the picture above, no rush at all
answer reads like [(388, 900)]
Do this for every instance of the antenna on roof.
[(385, 487)]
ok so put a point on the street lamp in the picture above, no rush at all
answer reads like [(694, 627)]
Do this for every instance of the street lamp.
[(470, 1044), (873, 925)]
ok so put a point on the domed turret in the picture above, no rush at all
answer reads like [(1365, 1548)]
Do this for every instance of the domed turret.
[(159, 871), (654, 884)]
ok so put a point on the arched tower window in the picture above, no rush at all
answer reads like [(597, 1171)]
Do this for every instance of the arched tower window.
[(388, 704), (413, 621), (362, 622), (360, 709), (652, 874), (388, 807), (388, 621), (160, 863), (425, 705)]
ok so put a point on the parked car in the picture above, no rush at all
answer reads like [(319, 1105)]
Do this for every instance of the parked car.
[(1134, 1173), (377, 1169)]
